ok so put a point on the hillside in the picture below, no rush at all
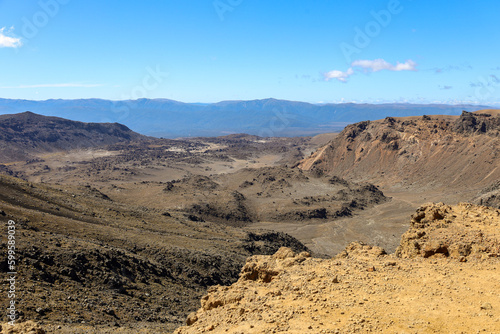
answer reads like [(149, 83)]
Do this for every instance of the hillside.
[(87, 259), (364, 290), (420, 152), (265, 118), (25, 134)]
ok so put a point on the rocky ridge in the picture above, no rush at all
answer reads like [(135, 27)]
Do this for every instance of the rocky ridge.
[(452, 151), (364, 290), (24, 135)]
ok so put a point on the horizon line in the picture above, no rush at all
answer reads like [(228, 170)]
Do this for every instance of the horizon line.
[(493, 104)]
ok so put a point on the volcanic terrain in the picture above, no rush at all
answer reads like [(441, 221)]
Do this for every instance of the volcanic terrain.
[(118, 232)]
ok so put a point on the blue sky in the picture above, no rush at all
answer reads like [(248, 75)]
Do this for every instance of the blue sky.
[(207, 51)]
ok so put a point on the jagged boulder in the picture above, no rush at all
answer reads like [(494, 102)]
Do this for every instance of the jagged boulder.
[(361, 250), (264, 269), (470, 123), (461, 231), (259, 268), (28, 327)]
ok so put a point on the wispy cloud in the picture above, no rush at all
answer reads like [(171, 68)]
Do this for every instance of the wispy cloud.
[(461, 67), (7, 41), (370, 66), (380, 64), (60, 85), (491, 80), (445, 87)]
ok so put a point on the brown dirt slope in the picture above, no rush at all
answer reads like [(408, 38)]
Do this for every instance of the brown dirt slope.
[(25, 134), (364, 290), (86, 259), (452, 151)]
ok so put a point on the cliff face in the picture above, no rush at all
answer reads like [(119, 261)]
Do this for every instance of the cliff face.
[(421, 289), (454, 151)]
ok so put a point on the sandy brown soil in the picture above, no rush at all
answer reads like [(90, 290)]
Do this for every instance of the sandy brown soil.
[(363, 290)]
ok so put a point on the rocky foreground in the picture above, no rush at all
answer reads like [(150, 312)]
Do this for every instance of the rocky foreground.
[(444, 278)]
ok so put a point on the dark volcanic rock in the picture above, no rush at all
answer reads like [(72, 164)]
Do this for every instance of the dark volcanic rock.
[(275, 194), (490, 196), (269, 242), (25, 134), (102, 262), (470, 123), (228, 208)]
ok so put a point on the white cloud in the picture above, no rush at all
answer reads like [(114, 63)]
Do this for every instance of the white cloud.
[(370, 66), (380, 64), (339, 75), (61, 85), (8, 41)]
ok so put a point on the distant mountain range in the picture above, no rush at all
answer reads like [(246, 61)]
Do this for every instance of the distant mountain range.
[(268, 117)]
